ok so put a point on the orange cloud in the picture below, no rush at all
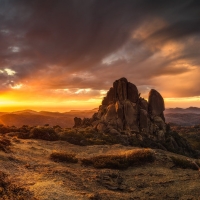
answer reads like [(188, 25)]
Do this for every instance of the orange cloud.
[(62, 55)]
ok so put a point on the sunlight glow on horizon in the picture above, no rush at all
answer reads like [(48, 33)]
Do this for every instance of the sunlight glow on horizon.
[(8, 105)]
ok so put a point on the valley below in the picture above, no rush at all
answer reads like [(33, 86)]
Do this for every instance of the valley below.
[(176, 116), (33, 118)]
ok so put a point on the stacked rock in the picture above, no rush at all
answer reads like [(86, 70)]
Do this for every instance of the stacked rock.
[(124, 110), (126, 115)]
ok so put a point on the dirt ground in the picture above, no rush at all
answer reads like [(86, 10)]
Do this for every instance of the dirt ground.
[(28, 165)]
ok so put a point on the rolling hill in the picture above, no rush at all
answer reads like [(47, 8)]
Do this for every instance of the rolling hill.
[(179, 116), (33, 118)]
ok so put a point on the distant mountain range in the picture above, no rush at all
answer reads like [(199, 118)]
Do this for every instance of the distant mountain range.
[(183, 116), (183, 110), (179, 116), (33, 118)]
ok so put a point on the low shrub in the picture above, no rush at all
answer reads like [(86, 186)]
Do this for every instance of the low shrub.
[(63, 157), (44, 133), (185, 164), (4, 144), (87, 136), (121, 161), (6, 129), (11, 191), (25, 129), (23, 135)]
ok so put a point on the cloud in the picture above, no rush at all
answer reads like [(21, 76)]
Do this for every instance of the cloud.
[(54, 45), (9, 72)]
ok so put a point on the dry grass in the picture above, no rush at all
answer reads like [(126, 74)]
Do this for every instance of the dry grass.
[(63, 157), (121, 161), (185, 163), (4, 144), (9, 191)]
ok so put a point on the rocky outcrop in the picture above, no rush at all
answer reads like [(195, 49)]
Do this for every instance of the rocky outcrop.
[(122, 90), (123, 109), (77, 122), (156, 104), (124, 112)]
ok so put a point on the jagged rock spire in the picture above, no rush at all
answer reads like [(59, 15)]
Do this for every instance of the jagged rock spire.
[(124, 110), (156, 104), (121, 91), (124, 114)]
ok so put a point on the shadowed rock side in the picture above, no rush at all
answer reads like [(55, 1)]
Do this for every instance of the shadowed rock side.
[(124, 113)]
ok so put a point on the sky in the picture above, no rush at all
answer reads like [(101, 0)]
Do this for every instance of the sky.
[(59, 55)]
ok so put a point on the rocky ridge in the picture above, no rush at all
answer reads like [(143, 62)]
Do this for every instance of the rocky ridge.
[(126, 115)]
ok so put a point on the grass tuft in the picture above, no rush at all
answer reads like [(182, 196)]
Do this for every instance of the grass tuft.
[(63, 157), (9, 191), (121, 161)]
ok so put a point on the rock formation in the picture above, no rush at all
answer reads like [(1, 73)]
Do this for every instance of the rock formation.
[(124, 112)]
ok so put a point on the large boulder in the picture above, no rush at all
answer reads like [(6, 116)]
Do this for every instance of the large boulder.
[(132, 92), (120, 89), (110, 95), (130, 115), (109, 98), (111, 113), (120, 110), (156, 103), (143, 119), (105, 101), (143, 103), (101, 112)]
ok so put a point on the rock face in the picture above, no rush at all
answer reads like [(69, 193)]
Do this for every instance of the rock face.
[(124, 112), (122, 90), (156, 104)]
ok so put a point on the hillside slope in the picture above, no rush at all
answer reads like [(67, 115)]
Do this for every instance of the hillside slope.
[(29, 166), (33, 118), (183, 119)]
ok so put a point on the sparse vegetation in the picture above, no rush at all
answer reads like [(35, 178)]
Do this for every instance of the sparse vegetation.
[(87, 136), (77, 136), (63, 157), (7, 129), (90, 136), (9, 191), (4, 144), (44, 133), (185, 163), (191, 134), (39, 132), (121, 161)]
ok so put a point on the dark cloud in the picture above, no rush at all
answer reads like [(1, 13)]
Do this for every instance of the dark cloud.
[(88, 44)]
